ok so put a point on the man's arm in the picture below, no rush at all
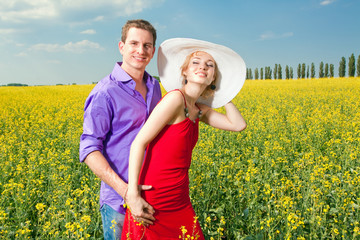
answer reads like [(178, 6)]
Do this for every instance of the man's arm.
[(100, 166), (97, 122)]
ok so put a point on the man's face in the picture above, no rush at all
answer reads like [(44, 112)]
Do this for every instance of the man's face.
[(137, 51)]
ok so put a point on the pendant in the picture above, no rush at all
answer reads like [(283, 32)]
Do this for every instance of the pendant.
[(187, 112)]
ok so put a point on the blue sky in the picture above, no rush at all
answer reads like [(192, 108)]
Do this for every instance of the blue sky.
[(48, 42)]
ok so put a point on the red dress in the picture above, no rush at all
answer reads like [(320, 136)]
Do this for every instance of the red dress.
[(165, 168)]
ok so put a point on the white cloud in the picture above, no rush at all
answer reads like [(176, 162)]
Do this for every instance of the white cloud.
[(287, 34), (81, 46), (267, 35), (77, 47), (19, 10), (88, 31), (6, 31), (22, 10), (326, 2), (271, 35), (22, 54), (98, 19), (46, 47), (159, 26), (53, 61)]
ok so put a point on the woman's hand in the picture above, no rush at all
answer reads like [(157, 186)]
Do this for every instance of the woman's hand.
[(141, 211)]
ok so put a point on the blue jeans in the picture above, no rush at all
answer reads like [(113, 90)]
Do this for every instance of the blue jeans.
[(112, 222)]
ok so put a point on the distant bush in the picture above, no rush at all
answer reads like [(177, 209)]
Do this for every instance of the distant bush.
[(17, 85)]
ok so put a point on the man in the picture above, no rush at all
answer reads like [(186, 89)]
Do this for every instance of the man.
[(114, 112)]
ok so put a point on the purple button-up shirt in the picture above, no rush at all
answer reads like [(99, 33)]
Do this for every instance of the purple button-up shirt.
[(114, 114)]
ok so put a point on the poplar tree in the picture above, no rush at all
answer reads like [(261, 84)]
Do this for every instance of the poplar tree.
[(331, 70), (303, 70), (261, 73), (287, 73), (250, 74), (307, 72), (265, 73), (299, 71), (352, 66), (256, 73), (279, 72), (321, 70), (342, 67), (326, 70), (312, 70), (358, 67), (268, 73), (291, 73), (275, 71)]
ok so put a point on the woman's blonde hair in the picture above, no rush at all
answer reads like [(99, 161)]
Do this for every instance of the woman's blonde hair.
[(208, 92)]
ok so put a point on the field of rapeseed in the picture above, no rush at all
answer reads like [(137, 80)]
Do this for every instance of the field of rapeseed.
[(294, 173)]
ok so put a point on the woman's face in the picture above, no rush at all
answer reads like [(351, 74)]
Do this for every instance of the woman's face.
[(201, 68)]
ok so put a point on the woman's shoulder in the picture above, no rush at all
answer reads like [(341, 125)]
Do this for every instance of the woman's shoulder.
[(174, 98), (169, 109)]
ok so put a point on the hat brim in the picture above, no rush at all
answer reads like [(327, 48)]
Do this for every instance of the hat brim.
[(231, 75)]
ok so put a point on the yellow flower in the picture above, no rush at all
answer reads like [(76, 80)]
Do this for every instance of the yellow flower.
[(40, 207), (183, 230)]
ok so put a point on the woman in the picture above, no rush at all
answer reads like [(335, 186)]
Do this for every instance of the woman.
[(210, 77)]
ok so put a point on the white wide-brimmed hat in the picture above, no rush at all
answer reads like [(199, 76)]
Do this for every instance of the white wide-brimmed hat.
[(231, 75)]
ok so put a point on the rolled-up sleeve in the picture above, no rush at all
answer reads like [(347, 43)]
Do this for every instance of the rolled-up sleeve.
[(97, 124)]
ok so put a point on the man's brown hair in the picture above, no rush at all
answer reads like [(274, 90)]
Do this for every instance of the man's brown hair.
[(138, 23)]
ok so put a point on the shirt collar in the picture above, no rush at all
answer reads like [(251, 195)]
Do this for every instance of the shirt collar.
[(119, 74)]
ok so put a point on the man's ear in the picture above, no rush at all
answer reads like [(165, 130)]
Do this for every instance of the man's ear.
[(121, 46), (153, 52)]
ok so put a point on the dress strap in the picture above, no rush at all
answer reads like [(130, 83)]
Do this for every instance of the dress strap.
[(198, 107), (181, 94), (186, 109)]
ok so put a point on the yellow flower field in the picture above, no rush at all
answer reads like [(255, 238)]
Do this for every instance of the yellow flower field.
[(294, 173)]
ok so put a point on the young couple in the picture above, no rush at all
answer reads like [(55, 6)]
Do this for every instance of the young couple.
[(119, 130)]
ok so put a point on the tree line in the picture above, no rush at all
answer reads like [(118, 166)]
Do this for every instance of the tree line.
[(305, 71), (14, 85)]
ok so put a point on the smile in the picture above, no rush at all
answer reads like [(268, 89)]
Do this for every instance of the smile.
[(139, 58), (201, 74)]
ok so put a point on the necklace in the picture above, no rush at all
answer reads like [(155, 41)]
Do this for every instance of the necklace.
[(187, 113), (187, 110)]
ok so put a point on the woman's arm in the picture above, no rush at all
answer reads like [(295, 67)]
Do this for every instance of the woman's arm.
[(166, 112), (232, 120)]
